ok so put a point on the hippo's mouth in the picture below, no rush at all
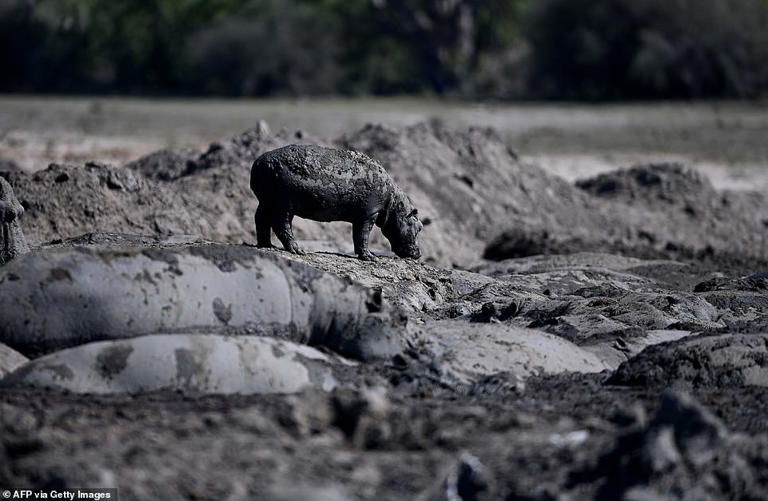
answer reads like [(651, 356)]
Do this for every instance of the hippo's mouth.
[(408, 252)]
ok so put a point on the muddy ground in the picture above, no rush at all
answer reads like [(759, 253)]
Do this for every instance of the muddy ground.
[(599, 339)]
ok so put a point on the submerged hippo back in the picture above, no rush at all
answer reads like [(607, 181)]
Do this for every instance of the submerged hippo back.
[(320, 183)]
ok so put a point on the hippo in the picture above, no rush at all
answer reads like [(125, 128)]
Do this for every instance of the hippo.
[(328, 184), (12, 241), (195, 363), (63, 297)]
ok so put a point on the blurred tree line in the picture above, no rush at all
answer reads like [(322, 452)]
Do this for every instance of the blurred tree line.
[(500, 49)]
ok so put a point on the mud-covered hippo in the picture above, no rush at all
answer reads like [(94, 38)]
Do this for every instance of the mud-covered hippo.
[(12, 241), (327, 184), (63, 297), (198, 363)]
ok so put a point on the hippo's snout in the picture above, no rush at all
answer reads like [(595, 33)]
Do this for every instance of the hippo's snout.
[(411, 252), (7, 213)]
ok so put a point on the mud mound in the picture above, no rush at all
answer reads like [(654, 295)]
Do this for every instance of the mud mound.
[(706, 362), (678, 213), (670, 183), (525, 241), (657, 210), (65, 201), (689, 202), (165, 165), (238, 152), (241, 150), (463, 182), (470, 185), (757, 282)]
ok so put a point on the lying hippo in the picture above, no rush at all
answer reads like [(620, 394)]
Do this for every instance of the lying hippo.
[(326, 184)]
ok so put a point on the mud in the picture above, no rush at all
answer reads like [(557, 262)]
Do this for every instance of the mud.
[(703, 361), (657, 211), (469, 184), (670, 204), (539, 374)]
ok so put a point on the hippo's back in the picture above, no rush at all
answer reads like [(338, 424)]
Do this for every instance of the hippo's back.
[(320, 183)]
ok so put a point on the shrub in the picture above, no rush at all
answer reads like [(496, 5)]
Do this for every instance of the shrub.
[(612, 49), (36, 55), (289, 49)]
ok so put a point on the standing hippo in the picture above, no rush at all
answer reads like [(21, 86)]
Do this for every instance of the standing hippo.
[(327, 184), (12, 242)]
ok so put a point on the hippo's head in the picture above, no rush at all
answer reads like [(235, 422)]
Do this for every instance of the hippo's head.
[(9, 212), (401, 230)]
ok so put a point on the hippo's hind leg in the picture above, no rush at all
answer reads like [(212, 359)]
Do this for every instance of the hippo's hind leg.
[(263, 226), (282, 224), (360, 233)]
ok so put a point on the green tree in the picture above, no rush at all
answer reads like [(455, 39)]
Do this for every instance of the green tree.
[(617, 49), (447, 40), (277, 47)]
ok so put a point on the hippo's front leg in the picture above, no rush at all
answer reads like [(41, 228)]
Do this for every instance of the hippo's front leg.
[(282, 224), (360, 233)]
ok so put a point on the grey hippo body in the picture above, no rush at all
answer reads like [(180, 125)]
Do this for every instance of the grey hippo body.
[(63, 297), (196, 363), (327, 184)]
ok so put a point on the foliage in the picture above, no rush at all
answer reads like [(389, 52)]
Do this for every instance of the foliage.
[(288, 49), (610, 49), (575, 49), (35, 54)]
